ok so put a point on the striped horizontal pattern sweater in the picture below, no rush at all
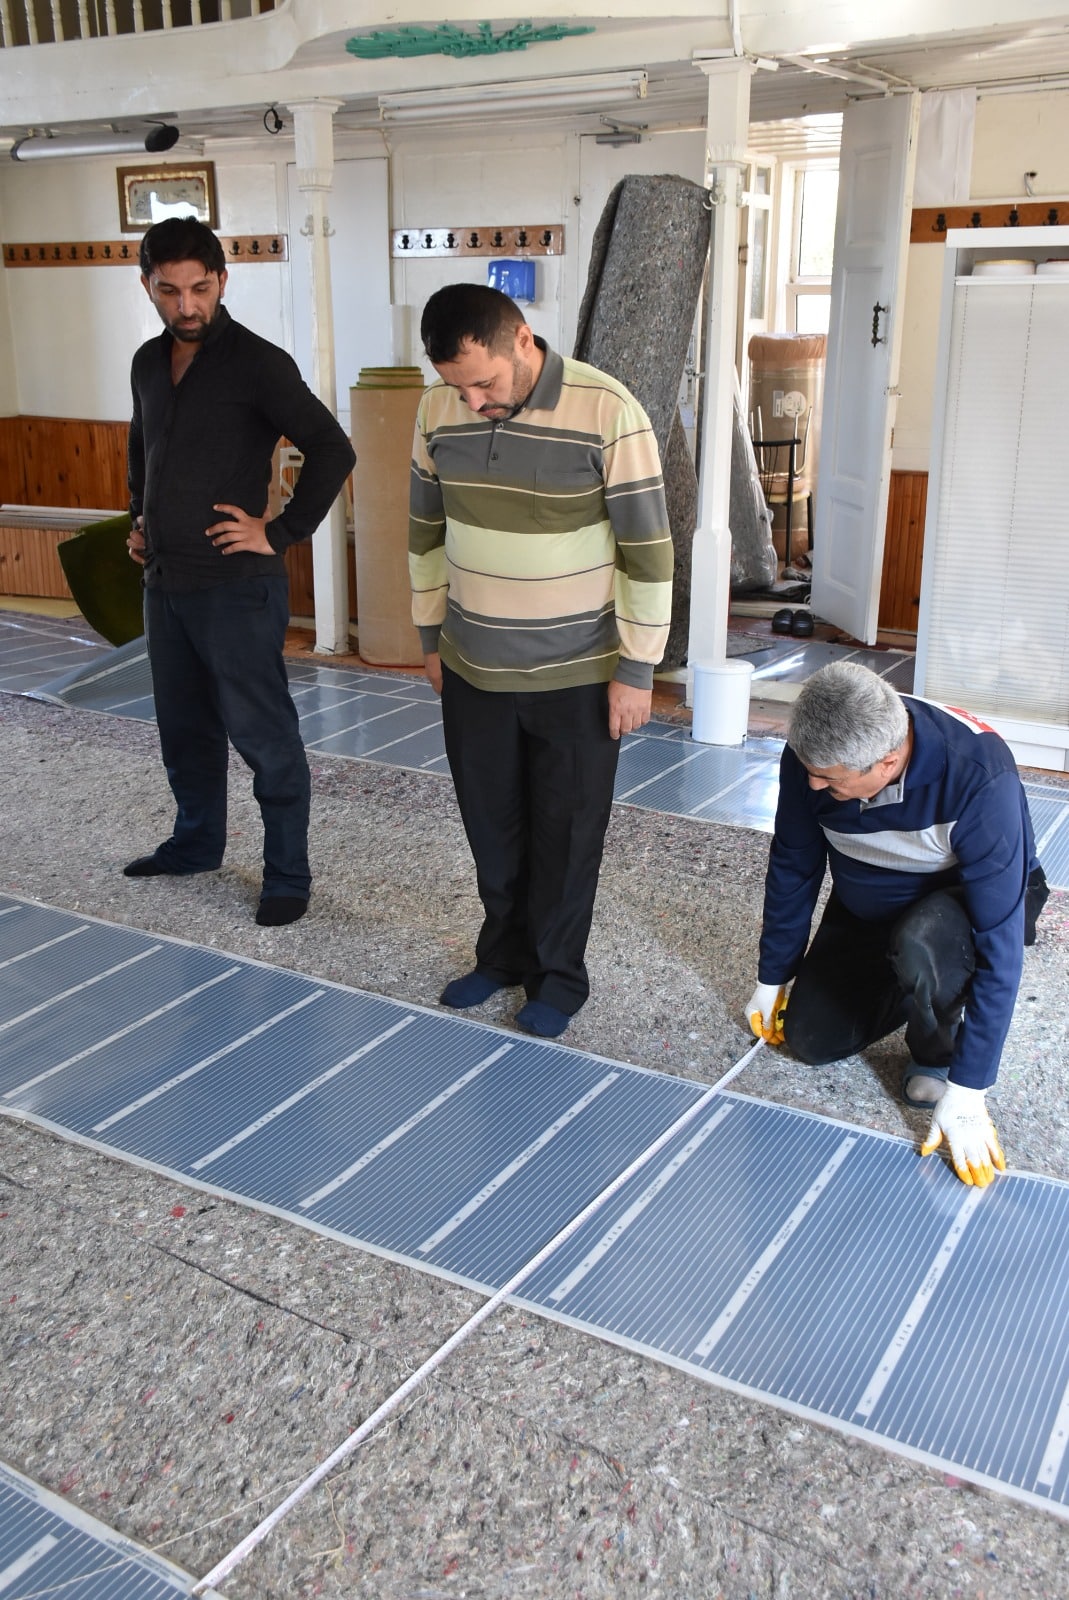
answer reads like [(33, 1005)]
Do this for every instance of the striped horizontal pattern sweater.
[(539, 548)]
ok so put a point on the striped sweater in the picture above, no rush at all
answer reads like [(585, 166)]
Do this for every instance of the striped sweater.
[(539, 547)]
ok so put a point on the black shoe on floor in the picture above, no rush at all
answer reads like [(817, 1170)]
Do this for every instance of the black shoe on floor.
[(153, 866), (278, 909), (781, 620), (802, 625)]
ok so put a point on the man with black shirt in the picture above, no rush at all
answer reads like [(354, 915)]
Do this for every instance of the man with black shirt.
[(210, 402)]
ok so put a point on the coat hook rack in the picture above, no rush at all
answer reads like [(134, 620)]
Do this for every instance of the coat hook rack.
[(929, 225)]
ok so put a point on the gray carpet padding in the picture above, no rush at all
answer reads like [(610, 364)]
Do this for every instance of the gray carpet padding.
[(647, 261)]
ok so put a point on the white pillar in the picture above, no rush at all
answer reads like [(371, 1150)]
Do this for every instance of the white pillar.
[(727, 132), (313, 126)]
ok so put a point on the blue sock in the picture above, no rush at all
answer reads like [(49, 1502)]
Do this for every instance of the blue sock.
[(470, 990), (539, 1017)]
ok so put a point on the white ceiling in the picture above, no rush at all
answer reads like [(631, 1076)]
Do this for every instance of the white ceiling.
[(800, 87)]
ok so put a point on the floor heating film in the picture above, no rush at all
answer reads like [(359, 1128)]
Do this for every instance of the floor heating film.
[(50, 1548), (820, 1267), (394, 720)]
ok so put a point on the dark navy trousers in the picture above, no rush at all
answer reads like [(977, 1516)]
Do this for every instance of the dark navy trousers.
[(218, 672), (859, 981)]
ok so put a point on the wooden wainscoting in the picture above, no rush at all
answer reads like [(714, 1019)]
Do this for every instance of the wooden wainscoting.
[(29, 564), (298, 559), (70, 461), (63, 461), (900, 588)]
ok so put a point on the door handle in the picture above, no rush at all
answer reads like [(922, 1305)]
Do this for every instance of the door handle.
[(877, 337)]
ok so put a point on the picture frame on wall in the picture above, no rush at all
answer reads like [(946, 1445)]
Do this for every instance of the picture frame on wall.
[(150, 194)]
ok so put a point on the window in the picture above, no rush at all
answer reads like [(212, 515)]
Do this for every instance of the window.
[(808, 290), (758, 198)]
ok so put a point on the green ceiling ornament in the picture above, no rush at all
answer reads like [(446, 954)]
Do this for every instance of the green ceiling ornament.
[(447, 40)]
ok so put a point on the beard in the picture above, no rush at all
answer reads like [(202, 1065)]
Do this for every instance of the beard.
[(191, 332), (522, 384)]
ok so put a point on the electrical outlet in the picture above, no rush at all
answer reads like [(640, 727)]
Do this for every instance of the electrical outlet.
[(777, 402)]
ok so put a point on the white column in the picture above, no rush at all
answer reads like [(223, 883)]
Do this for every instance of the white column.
[(313, 127), (727, 132)]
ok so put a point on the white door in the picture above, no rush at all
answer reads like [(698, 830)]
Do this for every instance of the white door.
[(601, 167), (871, 237)]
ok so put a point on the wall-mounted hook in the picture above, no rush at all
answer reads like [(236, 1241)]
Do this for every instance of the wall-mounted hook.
[(940, 223)]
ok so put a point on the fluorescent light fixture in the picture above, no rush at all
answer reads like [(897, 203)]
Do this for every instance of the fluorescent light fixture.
[(487, 100), (36, 147)]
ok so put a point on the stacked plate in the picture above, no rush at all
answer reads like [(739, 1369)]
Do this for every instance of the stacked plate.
[(1003, 267), (1056, 267)]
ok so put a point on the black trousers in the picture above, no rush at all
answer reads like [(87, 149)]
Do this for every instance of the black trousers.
[(534, 777), (859, 981), (218, 670)]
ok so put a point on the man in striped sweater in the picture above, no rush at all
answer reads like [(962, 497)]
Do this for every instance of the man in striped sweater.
[(541, 565)]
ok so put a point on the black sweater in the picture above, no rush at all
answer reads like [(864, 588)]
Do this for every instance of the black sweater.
[(209, 439)]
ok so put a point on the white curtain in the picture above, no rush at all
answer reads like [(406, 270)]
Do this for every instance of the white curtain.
[(944, 147)]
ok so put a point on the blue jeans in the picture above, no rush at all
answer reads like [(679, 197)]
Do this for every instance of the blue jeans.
[(218, 672)]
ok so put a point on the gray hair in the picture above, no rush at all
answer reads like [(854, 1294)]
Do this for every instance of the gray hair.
[(846, 716)]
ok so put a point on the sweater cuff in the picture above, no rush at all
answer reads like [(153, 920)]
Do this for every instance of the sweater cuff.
[(428, 639), (278, 536), (636, 674)]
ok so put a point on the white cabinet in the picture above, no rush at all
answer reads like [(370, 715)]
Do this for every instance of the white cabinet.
[(993, 630)]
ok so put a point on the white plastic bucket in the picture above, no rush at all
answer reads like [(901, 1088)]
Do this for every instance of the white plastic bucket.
[(721, 701)]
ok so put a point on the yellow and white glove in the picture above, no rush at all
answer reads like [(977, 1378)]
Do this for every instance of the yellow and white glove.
[(961, 1118), (765, 1012)]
